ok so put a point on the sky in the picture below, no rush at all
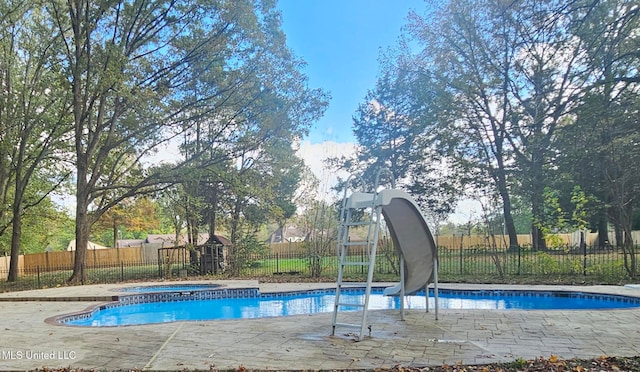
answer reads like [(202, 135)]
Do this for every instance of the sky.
[(341, 40)]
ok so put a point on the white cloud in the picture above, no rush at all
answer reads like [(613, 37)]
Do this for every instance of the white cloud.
[(314, 156), (166, 153), (466, 210)]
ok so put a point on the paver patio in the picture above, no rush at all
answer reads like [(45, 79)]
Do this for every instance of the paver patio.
[(304, 341)]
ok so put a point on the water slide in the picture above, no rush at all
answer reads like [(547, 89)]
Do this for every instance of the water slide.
[(411, 239)]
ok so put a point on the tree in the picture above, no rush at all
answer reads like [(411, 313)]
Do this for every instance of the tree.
[(320, 221), (144, 72), (468, 54), (391, 128), (136, 217), (43, 227), (509, 78), (605, 124), (262, 189), (33, 115), (384, 130)]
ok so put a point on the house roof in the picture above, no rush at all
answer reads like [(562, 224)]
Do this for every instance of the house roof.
[(182, 239), (90, 245), (289, 234), (123, 243)]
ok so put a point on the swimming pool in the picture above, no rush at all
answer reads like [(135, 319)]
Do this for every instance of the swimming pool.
[(249, 303)]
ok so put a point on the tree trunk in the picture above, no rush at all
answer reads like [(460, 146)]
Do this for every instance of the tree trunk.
[(617, 231), (16, 221), (82, 241), (506, 209), (627, 243), (115, 234), (234, 254), (537, 202), (213, 205), (4, 178), (83, 224), (537, 238), (16, 235), (603, 231)]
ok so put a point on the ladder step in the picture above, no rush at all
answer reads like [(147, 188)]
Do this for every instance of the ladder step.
[(359, 223), (349, 244)]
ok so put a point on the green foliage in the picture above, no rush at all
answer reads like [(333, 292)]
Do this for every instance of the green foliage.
[(217, 76), (317, 252), (519, 364), (583, 207), (554, 216), (43, 227), (131, 219), (241, 253)]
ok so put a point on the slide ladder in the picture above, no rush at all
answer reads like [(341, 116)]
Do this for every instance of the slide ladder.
[(355, 203)]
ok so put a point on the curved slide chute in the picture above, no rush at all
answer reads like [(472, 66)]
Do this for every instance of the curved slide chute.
[(412, 240)]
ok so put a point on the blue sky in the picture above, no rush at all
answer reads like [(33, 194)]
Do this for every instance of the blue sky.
[(340, 40)]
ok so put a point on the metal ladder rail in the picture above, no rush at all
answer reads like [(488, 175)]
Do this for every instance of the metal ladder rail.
[(372, 263), (342, 249), (371, 244)]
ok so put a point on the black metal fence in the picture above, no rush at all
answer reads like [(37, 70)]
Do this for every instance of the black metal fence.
[(588, 264), (454, 263), (108, 272)]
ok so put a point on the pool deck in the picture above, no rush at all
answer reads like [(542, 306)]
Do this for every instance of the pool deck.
[(28, 341)]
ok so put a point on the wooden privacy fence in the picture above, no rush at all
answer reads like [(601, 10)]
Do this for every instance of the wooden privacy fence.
[(95, 257), (5, 262), (287, 247), (303, 247)]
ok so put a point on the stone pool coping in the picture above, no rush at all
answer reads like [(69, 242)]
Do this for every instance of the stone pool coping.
[(109, 292)]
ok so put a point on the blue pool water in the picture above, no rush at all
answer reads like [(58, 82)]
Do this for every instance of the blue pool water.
[(318, 302)]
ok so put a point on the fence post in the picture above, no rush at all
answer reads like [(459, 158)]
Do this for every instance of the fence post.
[(160, 276), (519, 258), (38, 270), (460, 258), (583, 244), (277, 262), (122, 271)]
